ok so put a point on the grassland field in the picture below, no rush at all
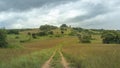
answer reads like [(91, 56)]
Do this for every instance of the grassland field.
[(34, 53)]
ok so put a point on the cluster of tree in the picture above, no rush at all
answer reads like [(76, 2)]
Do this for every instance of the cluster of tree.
[(3, 36), (78, 29), (111, 37), (44, 33), (47, 27), (63, 28), (84, 37), (13, 31), (46, 30)]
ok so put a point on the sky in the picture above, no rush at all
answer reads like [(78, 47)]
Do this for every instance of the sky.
[(97, 14)]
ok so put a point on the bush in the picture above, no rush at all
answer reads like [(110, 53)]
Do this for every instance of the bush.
[(47, 27), (63, 27), (73, 33), (62, 32), (42, 33), (110, 37), (50, 32), (13, 31), (84, 37), (3, 36), (57, 35), (78, 29), (34, 35), (17, 37)]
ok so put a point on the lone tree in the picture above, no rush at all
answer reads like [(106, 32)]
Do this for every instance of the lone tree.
[(3, 35), (63, 27)]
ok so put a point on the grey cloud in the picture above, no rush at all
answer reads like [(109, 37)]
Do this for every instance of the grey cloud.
[(93, 11), (20, 5), (95, 14)]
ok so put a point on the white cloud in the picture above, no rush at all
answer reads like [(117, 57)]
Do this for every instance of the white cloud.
[(85, 13)]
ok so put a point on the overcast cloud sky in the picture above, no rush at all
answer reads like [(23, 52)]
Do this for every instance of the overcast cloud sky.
[(80, 13)]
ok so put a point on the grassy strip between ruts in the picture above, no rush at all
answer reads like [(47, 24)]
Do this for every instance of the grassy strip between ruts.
[(56, 62), (33, 60)]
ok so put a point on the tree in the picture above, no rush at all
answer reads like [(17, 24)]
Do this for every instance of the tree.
[(13, 31), (50, 32), (3, 36), (34, 35), (47, 27), (62, 32), (30, 35), (42, 33), (110, 37), (84, 37), (63, 25), (78, 29)]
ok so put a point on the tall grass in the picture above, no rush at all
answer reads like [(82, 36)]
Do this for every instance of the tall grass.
[(33, 60), (93, 56)]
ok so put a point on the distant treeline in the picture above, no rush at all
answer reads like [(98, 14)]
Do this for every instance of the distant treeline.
[(84, 35)]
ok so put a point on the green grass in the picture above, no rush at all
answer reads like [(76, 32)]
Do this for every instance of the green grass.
[(93, 56), (33, 60), (56, 62)]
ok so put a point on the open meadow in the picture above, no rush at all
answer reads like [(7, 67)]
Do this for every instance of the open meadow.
[(59, 33), (60, 49)]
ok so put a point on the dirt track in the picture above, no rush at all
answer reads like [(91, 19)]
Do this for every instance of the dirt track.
[(63, 61), (47, 63)]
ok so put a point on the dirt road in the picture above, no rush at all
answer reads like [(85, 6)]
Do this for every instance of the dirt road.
[(63, 61), (47, 63)]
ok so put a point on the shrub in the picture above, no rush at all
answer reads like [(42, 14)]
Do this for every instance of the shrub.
[(34, 35), (63, 27), (73, 33), (110, 37), (17, 37), (84, 37), (29, 33), (42, 33), (13, 31), (47, 27), (50, 32), (62, 32), (58, 35)]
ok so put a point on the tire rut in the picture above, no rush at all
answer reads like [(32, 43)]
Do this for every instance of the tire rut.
[(63, 61), (47, 63)]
